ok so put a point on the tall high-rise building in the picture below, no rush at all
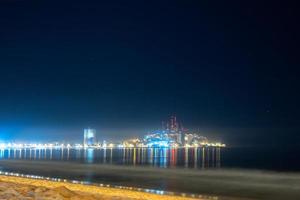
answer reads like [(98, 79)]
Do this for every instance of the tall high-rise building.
[(89, 137), (174, 125)]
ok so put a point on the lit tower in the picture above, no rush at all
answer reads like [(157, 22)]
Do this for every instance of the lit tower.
[(89, 137), (175, 124), (172, 124)]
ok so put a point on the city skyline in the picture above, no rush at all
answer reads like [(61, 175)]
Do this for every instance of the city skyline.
[(168, 126)]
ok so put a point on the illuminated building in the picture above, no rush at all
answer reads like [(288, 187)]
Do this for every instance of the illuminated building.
[(176, 137), (195, 139), (89, 137), (174, 131), (173, 135), (159, 139), (159, 143), (132, 143)]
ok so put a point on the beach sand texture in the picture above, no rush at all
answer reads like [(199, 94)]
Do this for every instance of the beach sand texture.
[(25, 188)]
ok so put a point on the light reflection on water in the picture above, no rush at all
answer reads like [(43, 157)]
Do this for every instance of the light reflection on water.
[(208, 157)]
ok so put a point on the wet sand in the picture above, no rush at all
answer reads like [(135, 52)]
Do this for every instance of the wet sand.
[(251, 184)]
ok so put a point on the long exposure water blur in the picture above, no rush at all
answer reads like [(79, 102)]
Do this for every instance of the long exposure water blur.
[(160, 157)]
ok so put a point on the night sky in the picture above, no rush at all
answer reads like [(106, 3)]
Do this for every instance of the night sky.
[(228, 69)]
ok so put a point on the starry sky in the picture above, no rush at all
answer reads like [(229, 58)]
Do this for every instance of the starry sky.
[(227, 69)]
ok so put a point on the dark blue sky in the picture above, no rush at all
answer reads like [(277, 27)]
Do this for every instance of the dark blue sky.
[(226, 68)]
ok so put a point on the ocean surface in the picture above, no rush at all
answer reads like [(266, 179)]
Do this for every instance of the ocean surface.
[(227, 172), (261, 158)]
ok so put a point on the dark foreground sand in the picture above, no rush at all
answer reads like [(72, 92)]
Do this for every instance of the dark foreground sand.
[(226, 183), (19, 188)]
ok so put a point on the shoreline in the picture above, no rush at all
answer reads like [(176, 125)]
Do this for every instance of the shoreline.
[(69, 190)]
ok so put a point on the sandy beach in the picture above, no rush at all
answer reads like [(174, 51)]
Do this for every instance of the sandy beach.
[(26, 188)]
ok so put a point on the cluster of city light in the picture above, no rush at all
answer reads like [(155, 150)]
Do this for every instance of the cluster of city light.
[(37, 146), (206, 145), (160, 139), (163, 144)]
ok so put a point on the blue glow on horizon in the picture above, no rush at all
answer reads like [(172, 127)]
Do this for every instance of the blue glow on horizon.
[(161, 143)]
